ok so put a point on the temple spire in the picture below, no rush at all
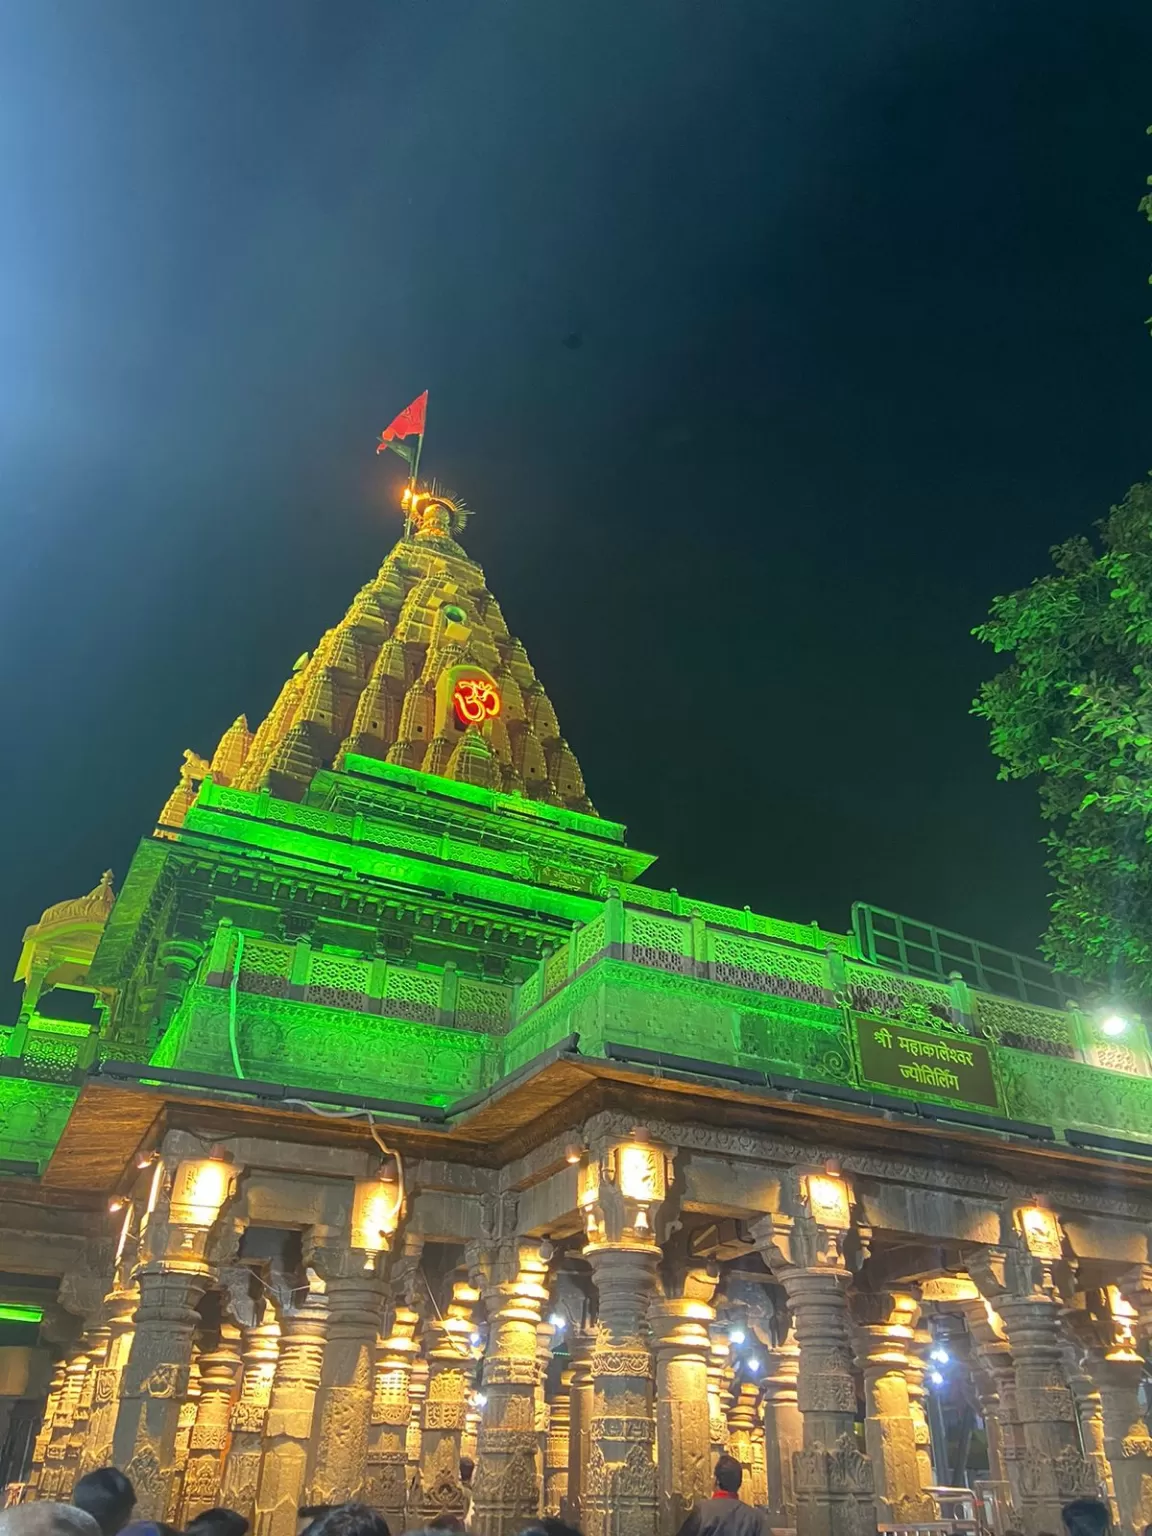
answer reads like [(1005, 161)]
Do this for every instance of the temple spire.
[(420, 671)]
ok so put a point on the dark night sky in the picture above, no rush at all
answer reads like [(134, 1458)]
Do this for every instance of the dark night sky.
[(860, 290)]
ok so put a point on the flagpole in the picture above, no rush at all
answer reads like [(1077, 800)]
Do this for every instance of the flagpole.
[(413, 476)]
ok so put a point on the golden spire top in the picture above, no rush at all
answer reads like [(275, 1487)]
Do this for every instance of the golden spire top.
[(433, 513)]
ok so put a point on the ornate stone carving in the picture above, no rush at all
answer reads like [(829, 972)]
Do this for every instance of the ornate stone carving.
[(155, 1377), (386, 1476), (450, 1361)]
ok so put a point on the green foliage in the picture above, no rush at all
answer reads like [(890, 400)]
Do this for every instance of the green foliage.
[(1074, 709)]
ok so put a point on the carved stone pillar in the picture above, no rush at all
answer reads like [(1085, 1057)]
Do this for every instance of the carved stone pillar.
[(1126, 1438), (1079, 1356), (413, 1440), (683, 1348), (506, 1490), (220, 1369), (470, 1439), (182, 1242), (1018, 1281), (806, 1252), (746, 1441), (155, 1380), (620, 1495), (783, 1428), (291, 1407), (996, 1382), (545, 1333), (387, 1481), (719, 1358), (260, 1351), (96, 1348), (450, 1364), (988, 1397), (889, 1432), (556, 1450), (96, 1450), (33, 1487), (917, 1369), (1126, 1441), (56, 1472), (622, 1188), (338, 1455), (581, 1346), (1054, 1469), (185, 1424)]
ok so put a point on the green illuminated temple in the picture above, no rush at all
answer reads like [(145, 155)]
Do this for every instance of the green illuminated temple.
[(382, 955)]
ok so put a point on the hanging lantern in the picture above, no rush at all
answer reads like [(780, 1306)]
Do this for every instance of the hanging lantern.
[(376, 1209)]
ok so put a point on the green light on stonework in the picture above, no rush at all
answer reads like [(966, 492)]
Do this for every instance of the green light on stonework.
[(11, 1313)]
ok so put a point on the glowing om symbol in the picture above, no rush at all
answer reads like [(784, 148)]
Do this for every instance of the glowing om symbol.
[(475, 699)]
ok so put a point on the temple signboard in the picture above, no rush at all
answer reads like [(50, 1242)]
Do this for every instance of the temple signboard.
[(919, 1061)]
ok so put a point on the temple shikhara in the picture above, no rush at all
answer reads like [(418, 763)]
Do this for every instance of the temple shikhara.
[(387, 1111)]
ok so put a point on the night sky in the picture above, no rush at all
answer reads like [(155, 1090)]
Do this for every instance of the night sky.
[(769, 341)]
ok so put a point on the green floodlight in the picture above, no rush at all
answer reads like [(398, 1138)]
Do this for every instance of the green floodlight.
[(11, 1312)]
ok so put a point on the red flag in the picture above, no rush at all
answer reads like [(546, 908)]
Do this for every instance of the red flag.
[(410, 421)]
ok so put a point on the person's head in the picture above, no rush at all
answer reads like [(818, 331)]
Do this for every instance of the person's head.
[(217, 1522), (447, 1522), (1086, 1517), (107, 1496), (467, 1467), (550, 1526), (350, 1520), (729, 1474), (47, 1519)]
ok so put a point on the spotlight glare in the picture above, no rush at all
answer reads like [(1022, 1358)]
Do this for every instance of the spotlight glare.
[(473, 1337), (940, 1355), (558, 1320), (1114, 1024), (481, 1399), (737, 1336), (753, 1363), (937, 1379)]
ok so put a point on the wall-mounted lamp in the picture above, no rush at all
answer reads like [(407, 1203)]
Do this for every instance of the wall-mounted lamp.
[(1038, 1226), (201, 1188), (828, 1197), (637, 1169), (1124, 1319)]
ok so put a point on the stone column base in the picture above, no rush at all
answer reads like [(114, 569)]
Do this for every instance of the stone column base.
[(833, 1489)]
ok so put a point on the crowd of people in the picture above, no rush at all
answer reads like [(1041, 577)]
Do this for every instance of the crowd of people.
[(104, 1502)]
